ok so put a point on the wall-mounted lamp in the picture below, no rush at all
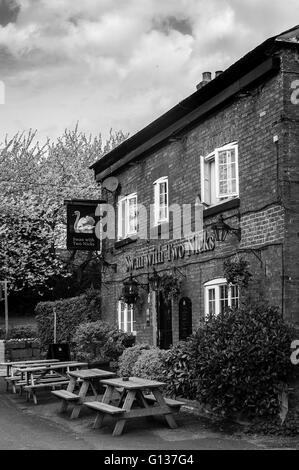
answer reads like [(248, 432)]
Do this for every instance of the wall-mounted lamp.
[(130, 290), (221, 230), (154, 280)]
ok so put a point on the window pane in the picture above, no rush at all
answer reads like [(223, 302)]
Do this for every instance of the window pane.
[(123, 218), (227, 172), (212, 302), (223, 298), (132, 215), (121, 325), (162, 201), (234, 296)]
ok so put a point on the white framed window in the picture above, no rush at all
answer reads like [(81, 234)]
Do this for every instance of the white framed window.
[(127, 216), (161, 200), (219, 295), (220, 175), (126, 318)]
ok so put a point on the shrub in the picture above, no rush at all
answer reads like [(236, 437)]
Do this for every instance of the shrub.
[(69, 314), (129, 357), (180, 369), (95, 341), (150, 364), (242, 357), (116, 343), (20, 332), (89, 340)]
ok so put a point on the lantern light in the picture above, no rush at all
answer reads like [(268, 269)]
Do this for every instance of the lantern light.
[(130, 290), (154, 280), (221, 230)]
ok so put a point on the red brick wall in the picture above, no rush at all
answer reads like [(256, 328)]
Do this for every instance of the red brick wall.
[(268, 213), (289, 178)]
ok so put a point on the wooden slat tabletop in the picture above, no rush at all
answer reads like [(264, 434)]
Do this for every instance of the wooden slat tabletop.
[(59, 365), (37, 361), (91, 373), (134, 383)]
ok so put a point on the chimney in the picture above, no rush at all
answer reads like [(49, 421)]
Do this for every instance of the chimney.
[(218, 72), (206, 78)]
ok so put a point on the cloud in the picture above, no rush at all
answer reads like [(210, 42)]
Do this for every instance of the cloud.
[(119, 64), (9, 10)]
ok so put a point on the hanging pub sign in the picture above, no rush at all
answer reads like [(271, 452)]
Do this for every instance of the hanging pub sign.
[(81, 224)]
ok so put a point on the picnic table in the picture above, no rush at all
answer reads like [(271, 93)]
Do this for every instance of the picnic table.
[(46, 376), (11, 365), (12, 375), (134, 390), (88, 379)]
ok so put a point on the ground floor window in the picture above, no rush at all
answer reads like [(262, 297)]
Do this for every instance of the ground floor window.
[(219, 295), (126, 318)]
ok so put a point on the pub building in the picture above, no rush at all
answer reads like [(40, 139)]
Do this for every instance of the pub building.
[(231, 148)]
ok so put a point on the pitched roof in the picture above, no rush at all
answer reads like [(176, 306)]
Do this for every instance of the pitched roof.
[(195, 105)]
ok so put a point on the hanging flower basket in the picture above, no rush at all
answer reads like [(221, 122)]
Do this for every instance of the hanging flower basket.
[(236, 271), (170, 286)]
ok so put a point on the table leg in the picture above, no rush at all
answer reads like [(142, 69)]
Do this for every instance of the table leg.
[(82, 394), (8, 374), (95, 393), (70, 388), (106, 399), (168, 417), (71, 384), (118, 429)]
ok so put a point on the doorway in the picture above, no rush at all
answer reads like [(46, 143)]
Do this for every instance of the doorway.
[(164, 322), (185, 318)]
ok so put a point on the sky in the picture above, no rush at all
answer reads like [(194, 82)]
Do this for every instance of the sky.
[(119, 64)]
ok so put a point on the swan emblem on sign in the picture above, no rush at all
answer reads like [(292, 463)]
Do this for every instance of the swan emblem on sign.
[(84, 224)]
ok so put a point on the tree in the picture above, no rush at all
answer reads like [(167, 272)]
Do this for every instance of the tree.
[(34, 182)]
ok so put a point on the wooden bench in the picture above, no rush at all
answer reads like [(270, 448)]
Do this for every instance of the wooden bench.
[(30, 389), (11, 380), (102, 409), (169, 401), (66, 397), (44, 380)]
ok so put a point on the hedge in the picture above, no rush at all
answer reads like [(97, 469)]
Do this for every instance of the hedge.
[(129, 357), (69, 314), (96, 341), (19, 332), (150, 364), (242, 358)]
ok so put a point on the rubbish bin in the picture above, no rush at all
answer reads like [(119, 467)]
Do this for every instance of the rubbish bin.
[(60, 351)]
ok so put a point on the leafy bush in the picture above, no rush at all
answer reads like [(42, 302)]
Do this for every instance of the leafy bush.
[(69, 314), (95, 341), (236, 271), (20, 332), (129, 357), (180, 369), (116, 343), (242, 356), (150, 364)]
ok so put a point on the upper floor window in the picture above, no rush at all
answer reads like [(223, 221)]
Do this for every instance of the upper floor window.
[(161, 200), (126, 318), (220, 175), (219, 296), (127, 216)]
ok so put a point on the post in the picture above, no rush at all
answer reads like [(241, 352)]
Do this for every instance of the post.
[(6, 307), (154, 317), (55, 324)]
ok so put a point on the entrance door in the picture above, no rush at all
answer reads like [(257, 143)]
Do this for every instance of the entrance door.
[(185, 318), (164, 322)]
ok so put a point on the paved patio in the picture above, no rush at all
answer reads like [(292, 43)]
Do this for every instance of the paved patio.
[(25, 425)]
